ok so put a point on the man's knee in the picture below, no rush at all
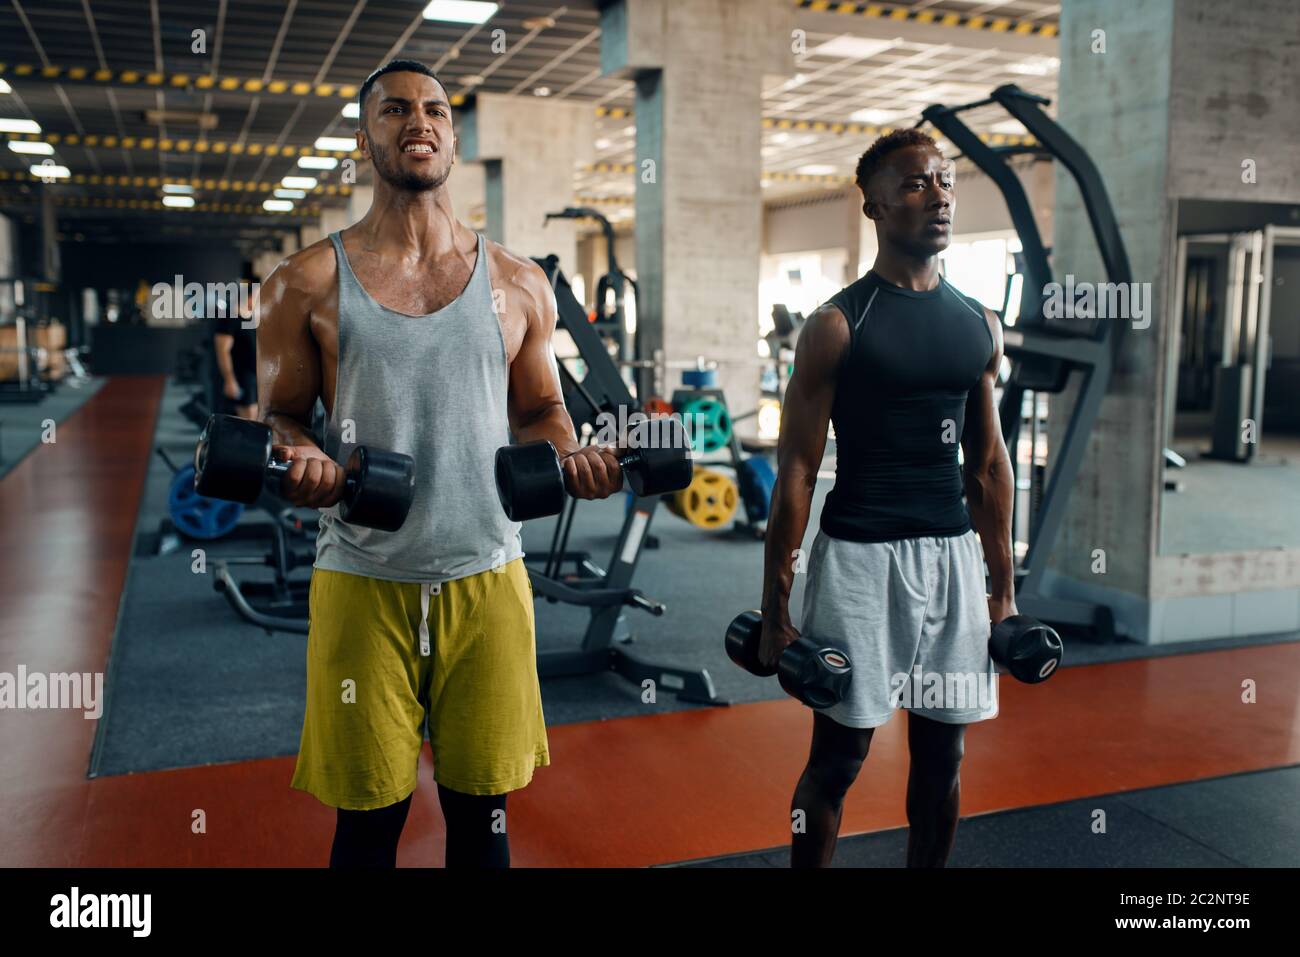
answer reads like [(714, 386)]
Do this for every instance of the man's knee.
[(832, 777), (938, 753)]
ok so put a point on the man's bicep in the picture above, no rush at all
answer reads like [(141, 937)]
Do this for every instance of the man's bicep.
[(982, 436), (288, 362), (810, 395), (534, 373)]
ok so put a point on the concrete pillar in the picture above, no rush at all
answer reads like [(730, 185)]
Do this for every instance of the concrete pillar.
[(1169, 98), (467, 186), (530, 148), (699, 71)]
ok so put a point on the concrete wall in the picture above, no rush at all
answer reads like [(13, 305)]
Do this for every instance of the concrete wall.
[(1233, 97), (1183, 92)]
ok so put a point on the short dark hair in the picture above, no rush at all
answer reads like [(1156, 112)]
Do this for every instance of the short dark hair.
[(871, 161), (392, 66)]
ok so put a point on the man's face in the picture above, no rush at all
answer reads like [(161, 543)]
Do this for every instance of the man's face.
[(912, 200), (406, 131)]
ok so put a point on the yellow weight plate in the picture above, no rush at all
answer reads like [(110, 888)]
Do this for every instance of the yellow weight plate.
[(708, 502)]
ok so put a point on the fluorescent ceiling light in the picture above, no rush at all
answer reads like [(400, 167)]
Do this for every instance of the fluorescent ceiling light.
[(1035, 66), (11, 124), (48, 170), (277, 205), (184, 188), (32, 149), (542, 91), (289, 194), (298, 182), (460, 11), (950, 93), (847, 47), (317, 162), (336, 144), (816, 169), (180, 202), (873, 116), (5, 87), (352, 111), (1013, 127)]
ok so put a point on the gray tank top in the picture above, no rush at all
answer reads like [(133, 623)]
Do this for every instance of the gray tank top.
[(435, 388)]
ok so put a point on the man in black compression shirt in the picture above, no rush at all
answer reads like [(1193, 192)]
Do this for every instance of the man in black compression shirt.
[(904, 366)]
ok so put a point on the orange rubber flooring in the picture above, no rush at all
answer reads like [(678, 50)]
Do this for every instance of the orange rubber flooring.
[(619, 793)]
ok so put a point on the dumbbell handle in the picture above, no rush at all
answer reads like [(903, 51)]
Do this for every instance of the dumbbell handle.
[(277, 469)]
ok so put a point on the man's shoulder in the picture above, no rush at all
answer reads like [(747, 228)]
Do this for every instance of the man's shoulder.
[(512, 268), (309, 266)]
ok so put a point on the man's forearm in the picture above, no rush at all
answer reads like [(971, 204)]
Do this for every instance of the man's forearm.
[(552, 424), (791, 505), (288, 429), (989, 495)]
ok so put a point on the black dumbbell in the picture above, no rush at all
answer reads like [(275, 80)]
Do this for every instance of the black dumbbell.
[(1026, 647), (530, 481), (815, 674), (233, 461)]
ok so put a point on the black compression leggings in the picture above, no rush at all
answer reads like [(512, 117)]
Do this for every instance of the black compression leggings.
[(476, 832)]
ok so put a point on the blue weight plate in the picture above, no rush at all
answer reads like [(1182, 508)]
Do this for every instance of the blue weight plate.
[(700, 378), (756, 480), (197, 516)]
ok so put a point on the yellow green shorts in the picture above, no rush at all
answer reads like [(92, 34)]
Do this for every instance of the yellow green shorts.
[(371, 691)]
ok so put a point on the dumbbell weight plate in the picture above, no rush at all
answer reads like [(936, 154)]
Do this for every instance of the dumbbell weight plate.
[(230, 459), (381, 487), (665, 453), (743, 635), (816, 675), (530, 482), (1027, 648)]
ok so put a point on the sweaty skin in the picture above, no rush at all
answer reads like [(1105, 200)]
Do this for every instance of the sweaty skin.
[(913, 189), (412, 255)]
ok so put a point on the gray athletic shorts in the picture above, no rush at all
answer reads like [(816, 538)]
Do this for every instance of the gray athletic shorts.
[(913, 617)]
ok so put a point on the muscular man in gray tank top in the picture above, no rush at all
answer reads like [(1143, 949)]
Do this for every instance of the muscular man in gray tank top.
[(421, 337)]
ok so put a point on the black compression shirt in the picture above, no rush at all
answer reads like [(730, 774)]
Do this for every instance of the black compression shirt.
[(899, 410)]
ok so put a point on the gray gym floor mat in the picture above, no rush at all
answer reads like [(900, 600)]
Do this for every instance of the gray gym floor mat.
[(21, 424), (1244, 820)]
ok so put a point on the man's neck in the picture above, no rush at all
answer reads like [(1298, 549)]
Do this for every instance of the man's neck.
[(422, 224), (920, 274)]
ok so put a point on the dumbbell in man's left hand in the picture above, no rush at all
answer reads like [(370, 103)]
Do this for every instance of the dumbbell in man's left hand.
[(592, 472)]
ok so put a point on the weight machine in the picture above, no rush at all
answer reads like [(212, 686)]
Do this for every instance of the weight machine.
[(611, 316), (1045, 353), (599, 394)]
